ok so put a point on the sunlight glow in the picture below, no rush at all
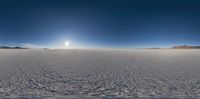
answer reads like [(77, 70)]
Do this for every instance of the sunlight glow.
[(67, 43)]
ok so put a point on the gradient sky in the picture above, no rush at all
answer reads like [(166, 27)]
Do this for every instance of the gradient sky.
[(100, 23)]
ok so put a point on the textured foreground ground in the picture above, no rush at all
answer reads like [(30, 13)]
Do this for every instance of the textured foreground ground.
[(118, 73)]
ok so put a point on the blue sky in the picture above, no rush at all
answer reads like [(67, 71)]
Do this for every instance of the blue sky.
[(100, 23)]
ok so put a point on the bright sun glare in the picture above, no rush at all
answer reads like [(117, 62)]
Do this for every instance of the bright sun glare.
[(67, 43)]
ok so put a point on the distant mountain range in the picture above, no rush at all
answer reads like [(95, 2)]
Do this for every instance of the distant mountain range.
[(174, 47), (8, 47), (186, 47)]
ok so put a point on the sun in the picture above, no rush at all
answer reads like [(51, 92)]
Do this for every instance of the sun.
[(67, 43)]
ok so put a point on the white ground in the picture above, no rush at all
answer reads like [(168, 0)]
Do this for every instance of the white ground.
[(119, 73)]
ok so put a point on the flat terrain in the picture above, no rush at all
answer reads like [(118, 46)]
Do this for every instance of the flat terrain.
[(115, 73)]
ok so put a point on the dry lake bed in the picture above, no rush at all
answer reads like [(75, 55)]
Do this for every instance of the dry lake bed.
[(99, 73)]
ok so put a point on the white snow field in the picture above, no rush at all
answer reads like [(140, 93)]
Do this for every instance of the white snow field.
[(104, 73)]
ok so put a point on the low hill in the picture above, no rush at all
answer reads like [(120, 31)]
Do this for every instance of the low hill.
[(8, 47), (186, 47)]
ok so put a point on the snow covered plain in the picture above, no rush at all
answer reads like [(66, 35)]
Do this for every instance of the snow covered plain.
[(100, 73)]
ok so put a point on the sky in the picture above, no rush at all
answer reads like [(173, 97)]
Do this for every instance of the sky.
[(99, 23)]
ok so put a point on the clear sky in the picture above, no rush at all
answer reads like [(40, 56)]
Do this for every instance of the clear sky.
[(100, 23)]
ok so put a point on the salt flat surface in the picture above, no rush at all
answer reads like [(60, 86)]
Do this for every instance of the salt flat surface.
[(100, 73)]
